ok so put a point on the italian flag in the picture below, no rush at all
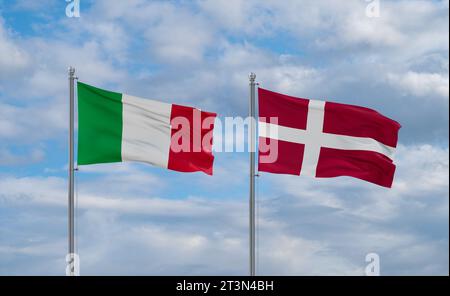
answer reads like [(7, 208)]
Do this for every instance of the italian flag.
[(115, 127)]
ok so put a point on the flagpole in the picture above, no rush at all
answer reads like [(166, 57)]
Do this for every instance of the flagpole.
[(71, 211), (252, 84)]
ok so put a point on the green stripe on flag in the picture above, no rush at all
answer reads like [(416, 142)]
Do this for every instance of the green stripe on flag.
[(99, 125)]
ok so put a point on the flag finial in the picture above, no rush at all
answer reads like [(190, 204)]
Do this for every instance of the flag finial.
[(71, 71)]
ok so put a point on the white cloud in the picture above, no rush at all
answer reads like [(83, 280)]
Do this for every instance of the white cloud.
[(34, 107), (424, 162), (173, 33), (200, 54), (13, 59), (36, 6), (421, 84), (9, 158), (54, 57), (305, 226), (49, 190), (345, 24), (30, 124), (197, 65), (179, 38), (238, 16)]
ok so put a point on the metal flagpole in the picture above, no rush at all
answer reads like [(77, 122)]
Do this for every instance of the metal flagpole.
[(252, 77), (71, 174)]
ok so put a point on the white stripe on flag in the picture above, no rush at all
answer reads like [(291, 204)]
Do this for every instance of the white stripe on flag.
[(314, 126), (146, 130)]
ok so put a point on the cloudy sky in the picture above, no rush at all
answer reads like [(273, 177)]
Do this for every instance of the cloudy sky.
[(138, 220)]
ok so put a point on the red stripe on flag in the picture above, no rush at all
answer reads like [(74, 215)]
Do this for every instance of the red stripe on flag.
[(366, 165), (291, 111), (288, 160), (198, 153), (349, 120)]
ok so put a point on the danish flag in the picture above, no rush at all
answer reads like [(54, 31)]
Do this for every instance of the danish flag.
[(325, 139)]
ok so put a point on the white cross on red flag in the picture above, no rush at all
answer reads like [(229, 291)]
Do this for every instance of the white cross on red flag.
[(325, 139)]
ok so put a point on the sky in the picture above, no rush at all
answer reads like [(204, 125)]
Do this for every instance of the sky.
[(134, 219)]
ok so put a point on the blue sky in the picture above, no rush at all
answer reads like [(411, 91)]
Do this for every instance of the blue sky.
[(138, 220)]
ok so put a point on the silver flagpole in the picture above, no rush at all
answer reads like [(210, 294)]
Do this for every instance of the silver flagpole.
[(252, 77), (71, 174)]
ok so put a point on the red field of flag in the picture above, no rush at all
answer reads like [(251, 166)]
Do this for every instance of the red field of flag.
[(325, 139)]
